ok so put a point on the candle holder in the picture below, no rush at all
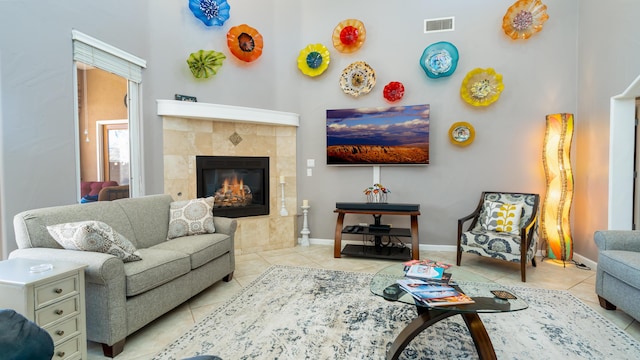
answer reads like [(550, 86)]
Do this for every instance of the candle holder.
[(305, 226), (283, 209)]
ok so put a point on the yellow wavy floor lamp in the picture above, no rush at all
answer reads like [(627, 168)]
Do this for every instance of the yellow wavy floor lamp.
[(556, 158)]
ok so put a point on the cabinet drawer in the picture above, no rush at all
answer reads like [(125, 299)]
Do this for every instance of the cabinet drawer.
[(67, 349), (47, 293), (58, 311), (60, 332)]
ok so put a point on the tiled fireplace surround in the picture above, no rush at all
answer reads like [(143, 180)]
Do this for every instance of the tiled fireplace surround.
[(191, 129)]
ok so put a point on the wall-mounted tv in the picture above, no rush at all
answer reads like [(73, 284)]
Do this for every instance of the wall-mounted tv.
[(396, 135)]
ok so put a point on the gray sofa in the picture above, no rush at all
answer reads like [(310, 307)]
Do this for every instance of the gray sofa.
[(123, 297), (618, 275)]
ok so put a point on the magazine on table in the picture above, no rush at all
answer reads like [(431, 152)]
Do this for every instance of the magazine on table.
[(459, 299), (433, 294), (417, 286), (425, 272), (427, 262)]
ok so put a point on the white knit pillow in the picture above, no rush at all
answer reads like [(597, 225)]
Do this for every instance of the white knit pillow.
[(191, 217), (94, 236)]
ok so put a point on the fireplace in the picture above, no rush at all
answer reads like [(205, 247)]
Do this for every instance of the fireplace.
[(239, 184)]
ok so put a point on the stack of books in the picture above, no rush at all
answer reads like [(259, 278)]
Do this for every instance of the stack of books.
[(428, 282)]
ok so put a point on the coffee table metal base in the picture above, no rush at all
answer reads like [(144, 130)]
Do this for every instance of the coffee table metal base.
[(428, 317)]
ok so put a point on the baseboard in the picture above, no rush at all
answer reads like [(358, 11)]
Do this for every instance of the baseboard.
[(447, 248)]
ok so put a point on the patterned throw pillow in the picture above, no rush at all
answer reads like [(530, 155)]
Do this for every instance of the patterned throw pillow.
[(94, 236), (191, 217), (502, 217)]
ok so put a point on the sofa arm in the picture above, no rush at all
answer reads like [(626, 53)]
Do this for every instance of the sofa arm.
[(225, 225), (628, 240), (101, 269)]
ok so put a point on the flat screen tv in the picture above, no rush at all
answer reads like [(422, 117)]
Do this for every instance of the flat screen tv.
[(395, 135)]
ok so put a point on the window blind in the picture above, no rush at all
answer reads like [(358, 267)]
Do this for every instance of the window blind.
[(95, 53)]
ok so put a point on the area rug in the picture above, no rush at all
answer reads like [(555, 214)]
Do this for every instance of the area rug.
[(292, 313)]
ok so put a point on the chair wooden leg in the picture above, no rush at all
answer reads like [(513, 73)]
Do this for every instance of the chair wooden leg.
[(523, 270), (533, 261), (459, 257)]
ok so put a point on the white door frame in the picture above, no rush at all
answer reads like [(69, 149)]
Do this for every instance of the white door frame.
[(621, 157)]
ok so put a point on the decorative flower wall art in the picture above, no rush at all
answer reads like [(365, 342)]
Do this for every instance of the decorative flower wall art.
[(357, 79), (524, 18), (349, 35), (462, 133), (210, 12), (393, 91), (205, 63), (314, 59), (481, 87), (245, 42), (439, 59)]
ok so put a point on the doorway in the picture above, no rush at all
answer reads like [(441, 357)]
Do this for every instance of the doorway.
[(102, 146), (622, 149), (108, 82), (114, 151)]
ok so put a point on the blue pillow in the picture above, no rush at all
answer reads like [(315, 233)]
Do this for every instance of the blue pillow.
[(88, 198), (23, 339)]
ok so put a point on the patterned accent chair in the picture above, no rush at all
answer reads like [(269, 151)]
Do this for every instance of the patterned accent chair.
[(496, 232)]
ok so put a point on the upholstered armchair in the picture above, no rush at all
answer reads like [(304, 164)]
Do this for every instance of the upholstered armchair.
[(503, 226), (110, 193)]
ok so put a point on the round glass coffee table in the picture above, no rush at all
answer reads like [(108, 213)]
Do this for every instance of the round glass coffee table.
[(476, 286)]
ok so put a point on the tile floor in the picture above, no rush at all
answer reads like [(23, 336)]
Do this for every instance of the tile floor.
[(548, 274)]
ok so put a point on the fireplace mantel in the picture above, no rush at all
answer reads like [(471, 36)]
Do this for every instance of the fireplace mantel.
[(216, 112)]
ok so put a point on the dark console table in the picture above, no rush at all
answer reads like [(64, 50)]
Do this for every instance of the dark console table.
[(377, 210)]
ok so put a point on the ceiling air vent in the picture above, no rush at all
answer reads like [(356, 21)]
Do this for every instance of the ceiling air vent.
[(440, 24)]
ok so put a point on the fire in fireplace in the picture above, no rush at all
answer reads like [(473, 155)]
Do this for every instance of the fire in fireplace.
[(239, 184)]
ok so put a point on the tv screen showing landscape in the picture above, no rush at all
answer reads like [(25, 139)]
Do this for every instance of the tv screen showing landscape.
[(395, 135)]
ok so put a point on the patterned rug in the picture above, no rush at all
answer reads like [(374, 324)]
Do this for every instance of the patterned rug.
[(292, 313)]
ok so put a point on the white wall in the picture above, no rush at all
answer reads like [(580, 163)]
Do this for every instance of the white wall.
[(608, 62), (540, 76), (38, 137)]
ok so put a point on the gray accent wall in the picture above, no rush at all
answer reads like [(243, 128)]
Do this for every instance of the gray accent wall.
[(558, 70)]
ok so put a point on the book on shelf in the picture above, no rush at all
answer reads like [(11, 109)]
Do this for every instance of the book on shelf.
[(458, 299), (421, 271)]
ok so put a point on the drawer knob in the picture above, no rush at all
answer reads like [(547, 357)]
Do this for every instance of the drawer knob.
[(60, 354), (59, 312), (59, 332), (57, 291)]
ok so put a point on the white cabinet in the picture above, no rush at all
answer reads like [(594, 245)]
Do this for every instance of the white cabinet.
[(53, 299)]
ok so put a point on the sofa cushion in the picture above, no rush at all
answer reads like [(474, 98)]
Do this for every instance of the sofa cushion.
[(31, 226), (200, 248), (148, 216), (94, 236), (157, 267), (191, 217), (623, 265)]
